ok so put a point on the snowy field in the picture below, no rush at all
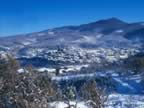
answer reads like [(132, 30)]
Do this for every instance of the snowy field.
[(125, 101), (114, 101), (129, 90)]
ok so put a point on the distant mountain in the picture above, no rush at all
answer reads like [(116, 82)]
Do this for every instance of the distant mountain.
[(136, 35), (103, 25), (104, 33)]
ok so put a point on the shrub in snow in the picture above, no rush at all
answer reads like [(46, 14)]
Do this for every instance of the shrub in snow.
[(23, 90), (92, 95)]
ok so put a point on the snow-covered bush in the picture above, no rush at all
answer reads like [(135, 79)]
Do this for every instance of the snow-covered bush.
[(23, 90)]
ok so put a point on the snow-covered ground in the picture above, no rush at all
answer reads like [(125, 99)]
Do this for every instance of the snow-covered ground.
[(63, 69), (129, 89), (79, 55), (114, 101), (64, 105), (125, 101)]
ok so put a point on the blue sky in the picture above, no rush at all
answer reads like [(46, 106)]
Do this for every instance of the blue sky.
[(24, 16)]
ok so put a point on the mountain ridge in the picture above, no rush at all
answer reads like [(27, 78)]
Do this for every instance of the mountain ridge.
[(103, 21), (110, 32)]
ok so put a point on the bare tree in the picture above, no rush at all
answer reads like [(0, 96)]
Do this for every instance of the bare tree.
[(93, 95)]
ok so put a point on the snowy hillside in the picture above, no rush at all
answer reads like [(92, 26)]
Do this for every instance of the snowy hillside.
[(108, 54)]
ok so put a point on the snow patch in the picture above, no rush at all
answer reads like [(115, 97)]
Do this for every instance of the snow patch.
[(99, 36), (26, 43), (41, 34), (22, 70), (51, 33), (86, 39), (64, 105), (119, 31), (46, 69)]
